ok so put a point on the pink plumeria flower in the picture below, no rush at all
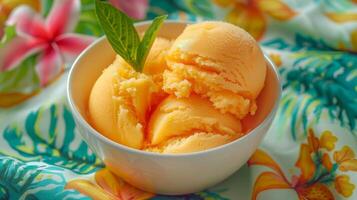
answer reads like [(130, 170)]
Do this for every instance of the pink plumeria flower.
[(51, 38), (134, 8)]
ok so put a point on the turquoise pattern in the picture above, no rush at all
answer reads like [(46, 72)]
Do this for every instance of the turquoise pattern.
[(187, 10), (46, 145), (300, 43), (328, 82), (35, 180), (318, 80)]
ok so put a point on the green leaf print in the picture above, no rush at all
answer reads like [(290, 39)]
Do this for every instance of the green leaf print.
[(300, 42), (4, 194), (33, 180), (336, 6), (317, 81), (50, 135), (320, 82), (211, 195), (303, 109), (198, 7), (192, 10)]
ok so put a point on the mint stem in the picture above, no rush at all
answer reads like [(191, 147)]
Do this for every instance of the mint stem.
[(123, 37)]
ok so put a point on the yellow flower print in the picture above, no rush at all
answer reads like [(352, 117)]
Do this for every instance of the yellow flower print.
[(269, 180), (276, 59), (316, 191), (344, 17), (115, 185), (90, 189), (249, 18), (341, 17), (327, 140), (275, 9), (108, 186), (326, 162), (276, 179), (346, 159), (306, 164), (313, 141), (250, 14), (261, 158), (343, 185), (317, 171)]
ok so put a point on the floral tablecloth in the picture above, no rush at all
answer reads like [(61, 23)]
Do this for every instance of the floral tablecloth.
[(309, 152)]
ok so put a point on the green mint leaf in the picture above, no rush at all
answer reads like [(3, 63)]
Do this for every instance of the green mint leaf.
[(122, 35), (120, 31), (148, 40)]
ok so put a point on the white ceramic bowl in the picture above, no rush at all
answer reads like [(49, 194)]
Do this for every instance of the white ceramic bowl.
[(171, 173)]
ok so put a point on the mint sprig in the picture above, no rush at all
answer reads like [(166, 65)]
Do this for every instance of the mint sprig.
[(122, 35)]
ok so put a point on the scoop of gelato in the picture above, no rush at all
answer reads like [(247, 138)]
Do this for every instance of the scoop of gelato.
[(191, 96), (192, 143), (183, 117), (219, 61), (121, 97)]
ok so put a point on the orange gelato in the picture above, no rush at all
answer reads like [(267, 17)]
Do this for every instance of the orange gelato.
[(191, 95), (121, 97), (185, 124), (219, 61)]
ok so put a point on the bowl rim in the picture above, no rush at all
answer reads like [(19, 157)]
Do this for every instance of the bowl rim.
[(122, 147)]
